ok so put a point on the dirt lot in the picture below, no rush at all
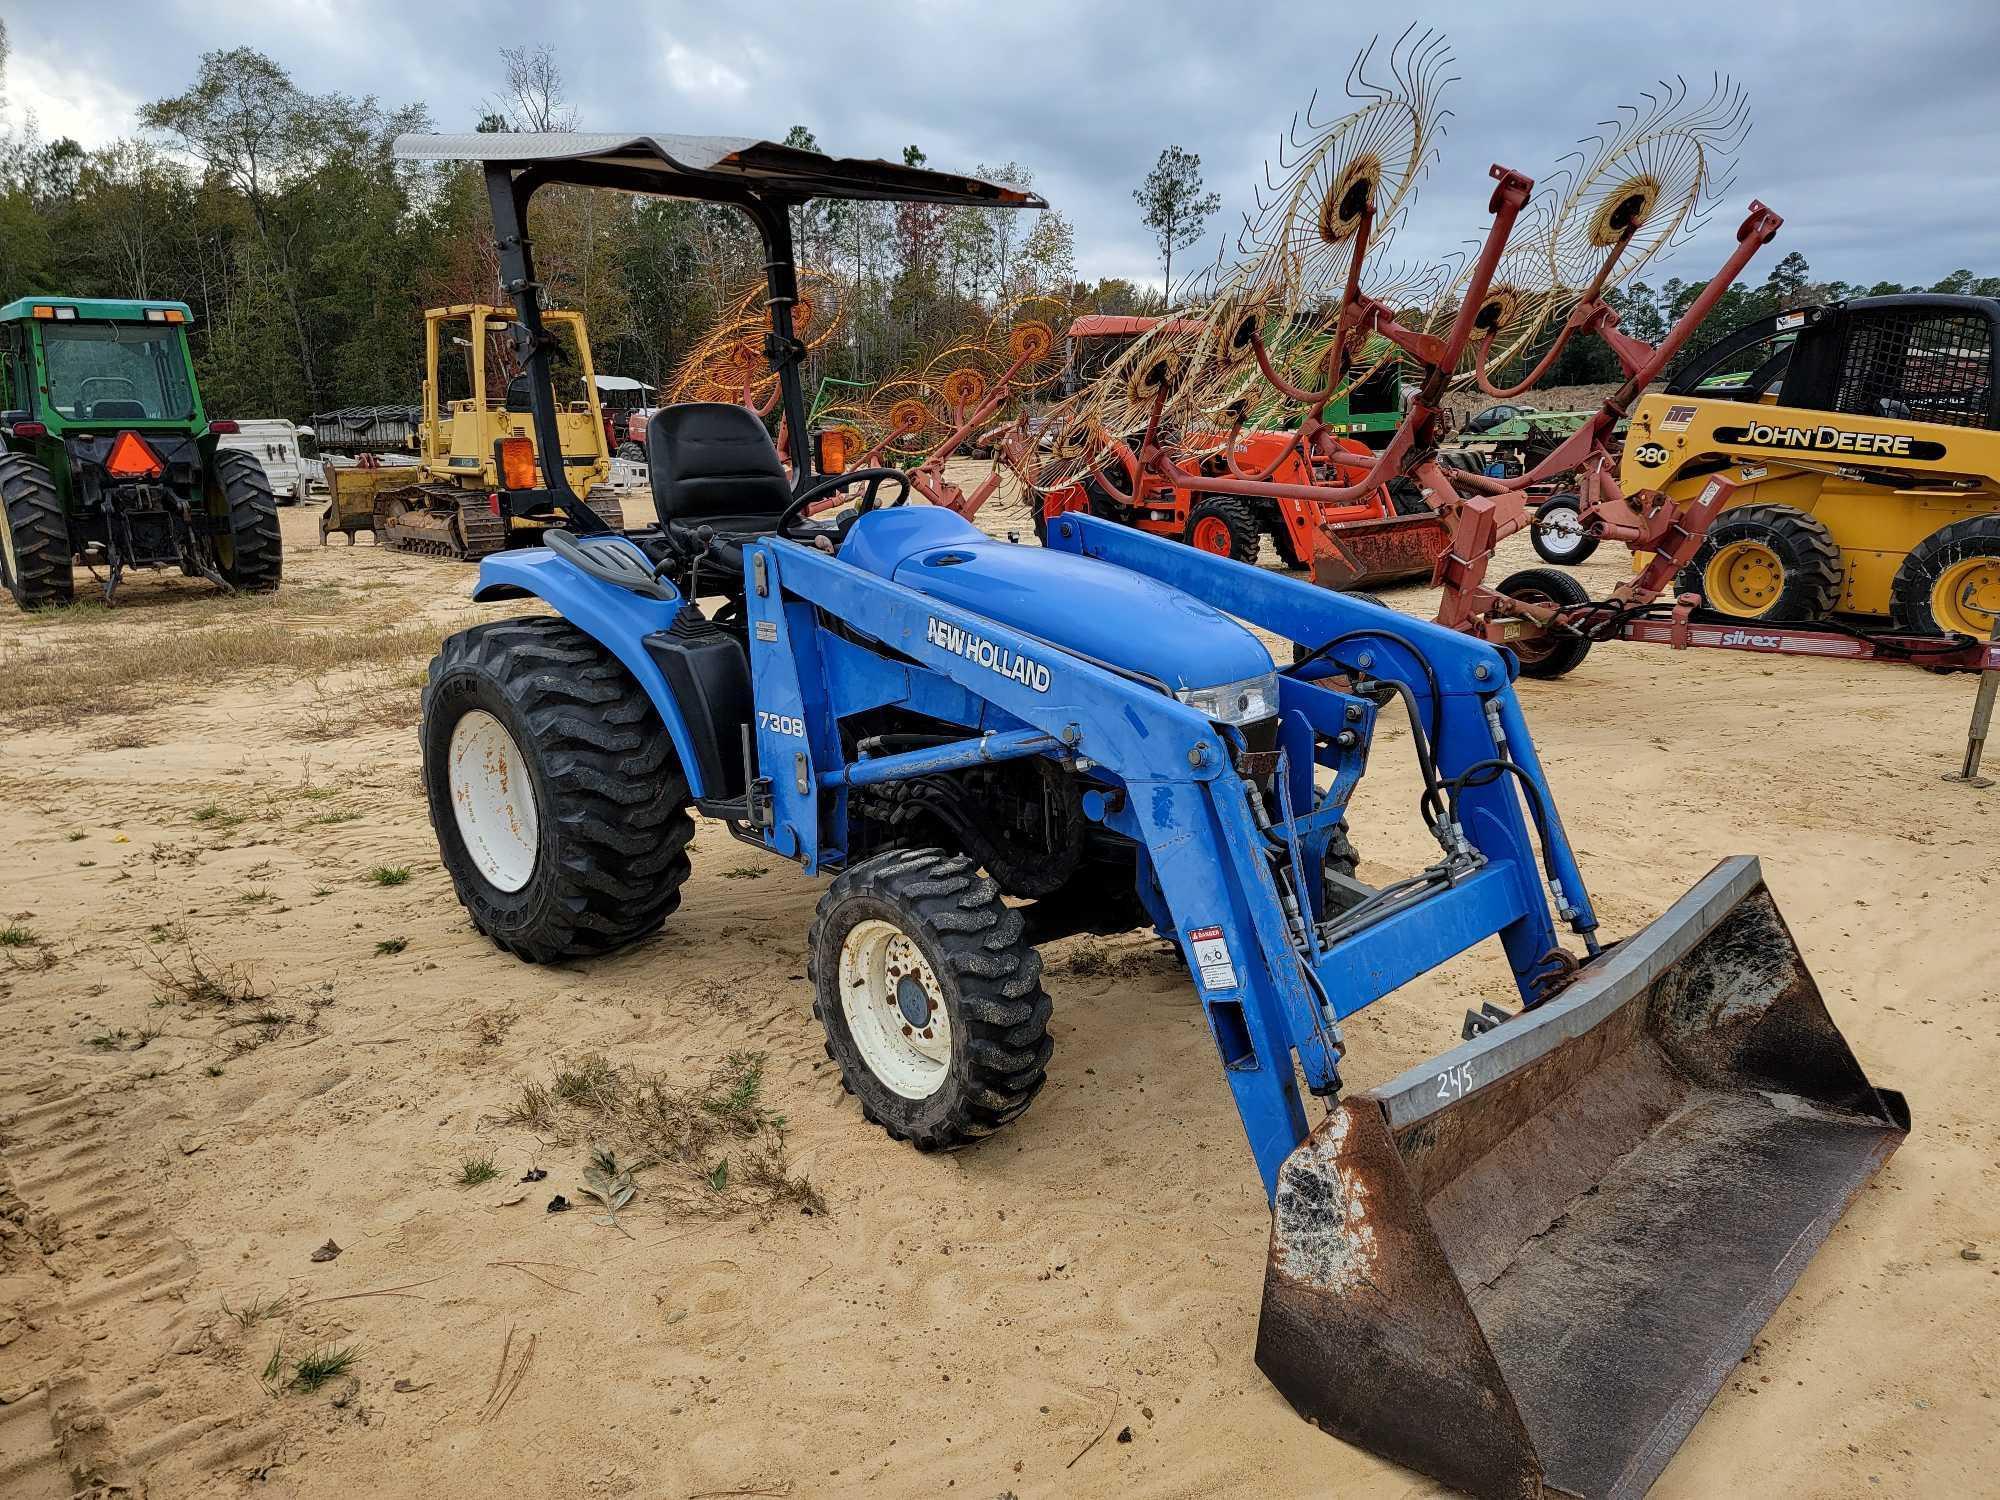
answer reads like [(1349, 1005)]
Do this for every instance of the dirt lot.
[(241, 1015)]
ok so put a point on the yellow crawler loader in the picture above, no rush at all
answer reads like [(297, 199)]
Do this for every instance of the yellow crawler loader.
[(478, 485), (1864, 442)]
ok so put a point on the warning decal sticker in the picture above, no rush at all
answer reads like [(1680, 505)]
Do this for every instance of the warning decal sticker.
[(1211, 958)]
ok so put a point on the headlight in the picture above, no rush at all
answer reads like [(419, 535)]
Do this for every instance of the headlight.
[(1242, 702)]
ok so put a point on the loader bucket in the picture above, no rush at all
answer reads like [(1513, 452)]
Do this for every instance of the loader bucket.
[(1526, 1267), (1361, 554)]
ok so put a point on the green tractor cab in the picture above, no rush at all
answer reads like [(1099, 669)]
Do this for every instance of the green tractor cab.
[(107, 458)]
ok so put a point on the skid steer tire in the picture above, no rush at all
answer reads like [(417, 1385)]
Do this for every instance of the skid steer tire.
[(1547, 656), (930, 995), (250, 555), (1950, 582), (559, 806), (1766, 562), (1558, 535), (1224, 526), (36, 560)]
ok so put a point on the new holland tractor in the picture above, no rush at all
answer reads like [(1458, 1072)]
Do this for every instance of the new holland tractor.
[(107, 458), (1524, 1267)]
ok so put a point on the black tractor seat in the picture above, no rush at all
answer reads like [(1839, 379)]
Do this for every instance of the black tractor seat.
[(718, 482), (712, 463)]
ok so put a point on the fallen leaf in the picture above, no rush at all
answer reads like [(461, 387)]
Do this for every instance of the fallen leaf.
[(407, 1386)]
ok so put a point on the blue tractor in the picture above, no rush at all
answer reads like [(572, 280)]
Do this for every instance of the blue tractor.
[(1522, 1268)]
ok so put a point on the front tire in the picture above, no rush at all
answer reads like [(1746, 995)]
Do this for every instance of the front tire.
[(559, 806), (1766, 562), (931, 997), (1224, 526), (36, 561), (251, 555)]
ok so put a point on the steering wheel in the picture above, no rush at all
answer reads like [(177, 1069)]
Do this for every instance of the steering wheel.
[(828, 484)]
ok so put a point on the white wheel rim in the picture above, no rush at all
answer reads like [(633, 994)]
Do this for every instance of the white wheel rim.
[(493, 800), (1562, 531), (894, 1009)]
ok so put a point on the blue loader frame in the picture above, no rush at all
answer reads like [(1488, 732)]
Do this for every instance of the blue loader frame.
[(1158, 771)]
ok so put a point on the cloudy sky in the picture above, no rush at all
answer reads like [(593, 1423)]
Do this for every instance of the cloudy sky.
[(1877, 133)]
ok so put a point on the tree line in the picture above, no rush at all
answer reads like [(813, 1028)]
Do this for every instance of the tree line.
[(308, 251)]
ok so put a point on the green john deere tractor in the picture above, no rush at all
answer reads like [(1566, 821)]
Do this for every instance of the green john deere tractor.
[(107, 459)]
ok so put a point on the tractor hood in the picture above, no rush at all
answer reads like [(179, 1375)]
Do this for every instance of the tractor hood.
[(1090, 607)]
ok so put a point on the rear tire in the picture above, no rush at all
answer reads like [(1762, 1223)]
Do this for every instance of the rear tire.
[(1950, 582), (252, 556), (930, 995), (589, 854), (1224, 526), (36, 560), (1547, 655), (1558, 535), (631, 453), (1766, 562)]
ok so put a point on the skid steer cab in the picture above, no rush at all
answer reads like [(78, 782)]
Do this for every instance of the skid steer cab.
[(108, 461), (1522, 1268)]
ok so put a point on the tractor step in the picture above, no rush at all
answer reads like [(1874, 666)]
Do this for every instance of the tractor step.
[(1527, 1266)]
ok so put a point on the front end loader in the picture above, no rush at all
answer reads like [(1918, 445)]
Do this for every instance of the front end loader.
[(480, 485), (1523, 1268), (108, 461)]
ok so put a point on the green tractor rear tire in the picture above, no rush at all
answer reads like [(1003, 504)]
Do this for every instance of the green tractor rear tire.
[(251, 555), (36, 559)]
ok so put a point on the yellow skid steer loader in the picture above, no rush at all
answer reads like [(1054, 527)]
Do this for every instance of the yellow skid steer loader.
[(1864, 442)]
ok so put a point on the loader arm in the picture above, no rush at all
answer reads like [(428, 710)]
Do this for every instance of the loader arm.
[(1275, 978)]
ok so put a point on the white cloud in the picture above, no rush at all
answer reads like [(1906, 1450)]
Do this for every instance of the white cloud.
[(698, 75), (67, 96)]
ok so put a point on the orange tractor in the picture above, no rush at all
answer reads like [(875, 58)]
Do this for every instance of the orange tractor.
[(1383, 535)]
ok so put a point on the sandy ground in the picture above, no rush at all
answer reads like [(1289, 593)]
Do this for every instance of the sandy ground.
[(963, 1325)]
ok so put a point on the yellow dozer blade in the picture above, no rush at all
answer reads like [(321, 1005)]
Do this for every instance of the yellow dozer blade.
[(1526, 1267)]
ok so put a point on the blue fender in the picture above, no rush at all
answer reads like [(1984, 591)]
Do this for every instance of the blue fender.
[(617, 619)]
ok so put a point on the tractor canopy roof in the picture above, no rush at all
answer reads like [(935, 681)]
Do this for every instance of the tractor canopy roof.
[(713, 167), (94, 309)]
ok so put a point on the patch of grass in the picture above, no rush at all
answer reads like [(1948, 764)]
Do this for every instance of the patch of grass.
[(746, 872), (254, 897), (381, 698), (489, 1027), (474, 1170), (719, 1145), (213, 1070), (534, 1107), (13, 935), (328, 818), (252, 635), (392, 945), (258, 1308), (310, 1371), (111, 1041), (589, 1081), (389, 874), (215, 815), (191, 978)]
